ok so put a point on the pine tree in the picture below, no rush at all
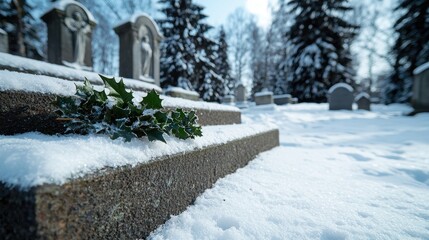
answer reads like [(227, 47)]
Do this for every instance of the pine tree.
[(17, 20), (188, 55), (319, 48), (410, 50), (178, 48), (223, 67)]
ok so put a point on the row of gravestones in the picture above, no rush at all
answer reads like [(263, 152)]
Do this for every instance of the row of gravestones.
[(261, 98), (341, 97), (70, 26)]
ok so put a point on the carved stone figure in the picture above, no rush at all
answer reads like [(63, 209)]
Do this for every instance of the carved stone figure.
[(146, 52), (70, 26), (80, 28), (139, 54)]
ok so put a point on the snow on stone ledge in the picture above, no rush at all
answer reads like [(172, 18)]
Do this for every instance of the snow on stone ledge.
[(264, 93), (39, 83), (362, 95), (421, 68), (3, 32), (340, 85), (282, 96), (54, 70), (181, 90), (33, 159)]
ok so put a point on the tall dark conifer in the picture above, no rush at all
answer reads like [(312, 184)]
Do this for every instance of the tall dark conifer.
[(410, 50), (17, 20), (319, 51), (223, 67)]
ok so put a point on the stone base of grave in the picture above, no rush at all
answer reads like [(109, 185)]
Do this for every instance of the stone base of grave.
[(181, 93), (264, 98), (31, 111), (125, 202), (282, 99)]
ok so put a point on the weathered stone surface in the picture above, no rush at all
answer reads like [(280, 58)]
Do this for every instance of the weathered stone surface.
[(264, 98), (229, 99), (126, 202), (28, 111), (70, 27), (139, 54), (341, 97), (363, 101), (282, 99), (4, 41), (240, 93), (181, 93), (420, 98)]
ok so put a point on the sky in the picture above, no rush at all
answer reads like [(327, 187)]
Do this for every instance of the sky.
[(219, 10)]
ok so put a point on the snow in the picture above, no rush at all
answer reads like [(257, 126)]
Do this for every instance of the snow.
[(3, 32), (336, 175), (53, 70), (181, 90), (38, 83), (134, 18), (362, 95), (263, 93), (282, 96), (421, 68), (62, 4), (340, 85), (33, 159)]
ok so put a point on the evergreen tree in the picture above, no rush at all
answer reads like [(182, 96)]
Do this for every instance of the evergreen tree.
[(223, 67), (178, 48), (319, 48), (411, 48), (278, 48), (207, 81), (188, 55), (17, 20)]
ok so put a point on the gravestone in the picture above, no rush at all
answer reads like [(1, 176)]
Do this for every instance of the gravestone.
[(340, 97), (4, 41), (363, 101), (264, 98), (139, 54), (70, 26), (282, 99), (420, 98), (240, 93), (228, 99)]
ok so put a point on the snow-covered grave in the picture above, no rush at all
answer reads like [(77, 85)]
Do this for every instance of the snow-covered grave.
[(336, 175), (55, 186), (340, 97)]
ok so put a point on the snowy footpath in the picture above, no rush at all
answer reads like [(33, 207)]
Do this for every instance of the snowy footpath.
[(336, 175)]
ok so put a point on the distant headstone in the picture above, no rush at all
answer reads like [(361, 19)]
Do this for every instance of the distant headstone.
[(420, 98), (363, 101), (264, 98), (282, 99), (139, 54), (240, 93), (341, 97), (70, 26), (228, 99), (4, 41), (181, 93)]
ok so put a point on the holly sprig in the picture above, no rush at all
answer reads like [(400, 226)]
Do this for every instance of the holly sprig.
[(114, 111)]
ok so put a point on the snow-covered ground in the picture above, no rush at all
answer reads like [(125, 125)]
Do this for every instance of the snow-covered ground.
[(336, 175)]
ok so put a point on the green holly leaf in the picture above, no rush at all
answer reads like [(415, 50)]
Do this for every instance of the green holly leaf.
[(155, 134), (152, 100), (118, 90)]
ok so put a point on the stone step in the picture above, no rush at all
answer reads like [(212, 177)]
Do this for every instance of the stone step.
[(26, 104), (123, 202), (25, 65)]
